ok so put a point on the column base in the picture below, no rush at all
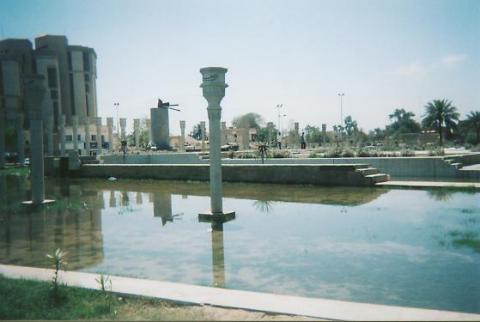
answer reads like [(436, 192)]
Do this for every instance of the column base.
[(44, 202), (216, 217)]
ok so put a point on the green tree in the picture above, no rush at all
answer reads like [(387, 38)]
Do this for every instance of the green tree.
[(196, 132), (313, 134), (473, 123), (440, 115), (249, 120), (351, 126), (403, 122), (262, 134)]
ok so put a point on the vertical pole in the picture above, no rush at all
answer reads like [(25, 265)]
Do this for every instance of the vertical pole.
[(87, 135), (202, 127), (110, 133), (2, 137), (99, 135), (61, 132), (36, 148), (182, 135), (20, 138), (75, 132)]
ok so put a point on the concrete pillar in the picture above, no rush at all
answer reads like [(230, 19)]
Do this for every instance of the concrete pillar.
[(269, 133), (75, 132), (61, 133), (2, 138), (136, 129), (88, 137), (224, 133), (296, 127), (213, 86), (98, 124), (35, 93), (243, 138), (182, 135), (204, 135), (110, 133), (48, 128), (123, 132), (20, 138), (148, 124)]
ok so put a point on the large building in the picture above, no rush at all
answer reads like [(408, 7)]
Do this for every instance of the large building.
[(70, 79)]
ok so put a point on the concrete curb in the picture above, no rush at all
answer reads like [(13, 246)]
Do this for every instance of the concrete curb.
[(280, 304)]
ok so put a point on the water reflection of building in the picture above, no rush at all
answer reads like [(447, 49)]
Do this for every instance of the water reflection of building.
[(73, 224)]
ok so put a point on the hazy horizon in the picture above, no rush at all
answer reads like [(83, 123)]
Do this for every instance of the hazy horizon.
[(382, 54)]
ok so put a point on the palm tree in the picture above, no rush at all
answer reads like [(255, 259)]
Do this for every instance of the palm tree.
[(440, 115), (473, 123)]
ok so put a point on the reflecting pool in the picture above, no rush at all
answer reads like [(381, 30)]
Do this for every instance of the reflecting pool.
[(418, 248)]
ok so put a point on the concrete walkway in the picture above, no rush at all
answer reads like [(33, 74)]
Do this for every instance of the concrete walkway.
[(281, 304), (429, 184)]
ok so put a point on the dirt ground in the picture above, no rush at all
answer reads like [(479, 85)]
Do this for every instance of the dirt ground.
[(148, 310)]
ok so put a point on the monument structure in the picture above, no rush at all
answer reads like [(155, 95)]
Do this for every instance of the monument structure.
[(35, 93), (213, 87), (136, 131), (160, 126), (123, 131)]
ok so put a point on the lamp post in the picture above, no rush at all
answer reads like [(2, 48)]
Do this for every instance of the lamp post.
[(213, 86)]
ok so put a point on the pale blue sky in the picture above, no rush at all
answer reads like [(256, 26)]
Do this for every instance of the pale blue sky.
[(382, 54)]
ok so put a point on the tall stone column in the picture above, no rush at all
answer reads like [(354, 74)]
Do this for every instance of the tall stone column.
[(110, 133), (88, 137), (296, 126), (269, 133), (136, 129), (75, 132), (224, 133), (213, 86), (48, 128), (2, 137), (61, 133), (204, 136), (35, 93), (123, 133), (182, 135), (20, 138), (148, 123), (98, 124)]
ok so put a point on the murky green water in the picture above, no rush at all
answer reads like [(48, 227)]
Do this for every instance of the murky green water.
[(400, 247)]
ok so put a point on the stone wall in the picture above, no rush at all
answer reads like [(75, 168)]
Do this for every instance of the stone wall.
[(346, 175)]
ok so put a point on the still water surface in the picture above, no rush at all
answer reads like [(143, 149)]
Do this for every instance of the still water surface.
[(399, 247)]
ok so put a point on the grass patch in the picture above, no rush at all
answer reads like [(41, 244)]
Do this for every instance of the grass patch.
[(24, 299), (15, 170)]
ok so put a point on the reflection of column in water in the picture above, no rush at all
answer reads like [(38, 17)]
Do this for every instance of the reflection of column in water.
[(112, 201), (101, 200), (125, 201), (64, 188), (3, 191), (218, 259), (150, 197), (139, 199), (162, 207), (22, 186), (184, 196)]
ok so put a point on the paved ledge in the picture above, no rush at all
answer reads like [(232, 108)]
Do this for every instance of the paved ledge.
[(282, 304), (429, 184)]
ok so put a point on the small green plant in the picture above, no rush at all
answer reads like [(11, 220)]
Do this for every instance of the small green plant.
[(58, 260), (105, 283), (313, 155)]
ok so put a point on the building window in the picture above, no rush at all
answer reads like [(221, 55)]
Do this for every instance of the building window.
[(79, 137), (94, 137), (55, 114), (68, 138), (52, 77)]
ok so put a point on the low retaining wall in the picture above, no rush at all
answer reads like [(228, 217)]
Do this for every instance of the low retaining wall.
[(407, 167), (345, 175)]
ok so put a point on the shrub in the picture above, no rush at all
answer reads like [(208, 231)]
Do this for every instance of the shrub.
[(407, 153), (313, 155), (347, 153), (363, 153), (279, 154)]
